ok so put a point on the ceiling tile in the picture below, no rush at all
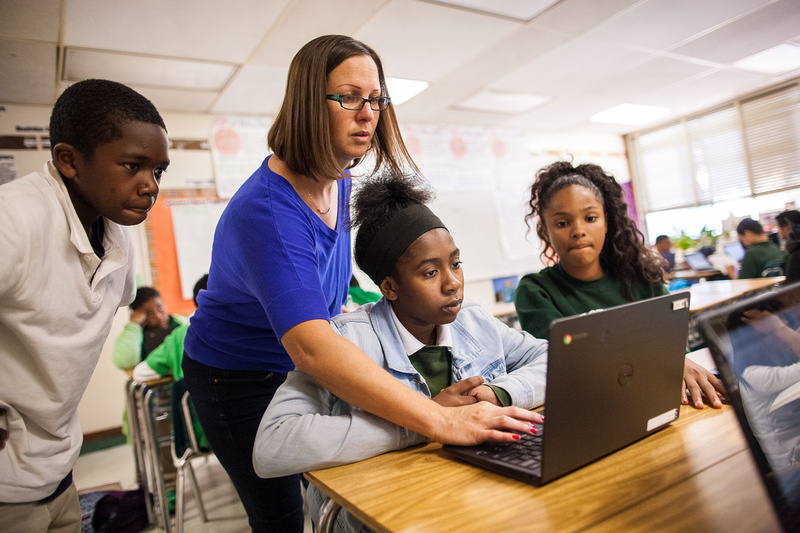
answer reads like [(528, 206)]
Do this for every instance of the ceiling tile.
[(304, 20), (255, 90), (704, 91), (765, 28), (570, 68), (676, 21), (35, 20), (576, 16), (178, 100), (29, 72), (80, 64), (645, 77), (422, 41), (201, 29)]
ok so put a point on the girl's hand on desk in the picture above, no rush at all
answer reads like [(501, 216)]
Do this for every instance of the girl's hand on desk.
[(459, 393), (699, 382), (482, 421)]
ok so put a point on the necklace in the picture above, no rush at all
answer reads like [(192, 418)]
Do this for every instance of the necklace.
[(317, 209)]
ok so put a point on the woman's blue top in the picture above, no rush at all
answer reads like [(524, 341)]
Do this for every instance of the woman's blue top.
[(274, 265)]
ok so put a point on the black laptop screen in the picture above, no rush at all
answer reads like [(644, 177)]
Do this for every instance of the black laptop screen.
[(756, 346)]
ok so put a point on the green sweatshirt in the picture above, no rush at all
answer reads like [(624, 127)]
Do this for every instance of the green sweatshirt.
[(552, 293)]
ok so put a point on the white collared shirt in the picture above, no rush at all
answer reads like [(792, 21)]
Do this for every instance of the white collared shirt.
[(412, 345), (57, 303)]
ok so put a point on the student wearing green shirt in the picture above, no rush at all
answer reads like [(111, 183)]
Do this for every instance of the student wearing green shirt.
[(166, 359), (762, 258), (599, 259)]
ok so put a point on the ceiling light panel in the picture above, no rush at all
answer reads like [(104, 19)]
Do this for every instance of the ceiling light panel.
[(196, 29), (80, 64), (775, 60), (402, 90), (501, 102), (630, 114)]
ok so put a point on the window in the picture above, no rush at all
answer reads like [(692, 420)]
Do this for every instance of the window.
[(745, 149)]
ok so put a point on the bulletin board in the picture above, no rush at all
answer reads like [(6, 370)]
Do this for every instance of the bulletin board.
[(166, 258)]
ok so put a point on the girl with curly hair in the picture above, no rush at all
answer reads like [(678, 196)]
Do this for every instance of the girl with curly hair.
[(599, 258)]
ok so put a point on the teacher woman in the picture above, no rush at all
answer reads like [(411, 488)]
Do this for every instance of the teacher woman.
[(281, 267)]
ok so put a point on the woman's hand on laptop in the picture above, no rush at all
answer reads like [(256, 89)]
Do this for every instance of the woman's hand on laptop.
[(700, 382), (480, 422)]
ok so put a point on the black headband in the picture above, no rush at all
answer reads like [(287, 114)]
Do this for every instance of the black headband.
[(394, 238)]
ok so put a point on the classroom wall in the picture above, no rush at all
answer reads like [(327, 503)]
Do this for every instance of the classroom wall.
[(478, 215)]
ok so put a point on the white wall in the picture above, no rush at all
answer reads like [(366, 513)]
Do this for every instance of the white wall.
[(103, 402)]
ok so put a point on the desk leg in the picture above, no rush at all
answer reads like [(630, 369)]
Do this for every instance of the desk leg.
[(328, 517)]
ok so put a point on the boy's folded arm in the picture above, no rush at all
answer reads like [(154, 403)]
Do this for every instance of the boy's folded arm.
[(299, 433)]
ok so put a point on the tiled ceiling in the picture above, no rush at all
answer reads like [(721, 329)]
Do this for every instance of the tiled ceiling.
[(583, 56)]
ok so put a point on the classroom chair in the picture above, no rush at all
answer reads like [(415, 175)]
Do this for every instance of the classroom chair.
[(185, 448)]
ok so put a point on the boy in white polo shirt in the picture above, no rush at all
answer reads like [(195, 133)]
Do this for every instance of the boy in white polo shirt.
[(67, 265)]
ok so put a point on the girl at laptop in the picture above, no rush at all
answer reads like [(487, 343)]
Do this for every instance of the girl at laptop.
[(422, 331), (599, 258)]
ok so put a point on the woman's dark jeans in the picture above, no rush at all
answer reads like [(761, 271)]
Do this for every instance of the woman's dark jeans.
[(230, 404)]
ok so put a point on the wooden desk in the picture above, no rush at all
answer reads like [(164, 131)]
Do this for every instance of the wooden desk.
[(711, 293), (696, 475)]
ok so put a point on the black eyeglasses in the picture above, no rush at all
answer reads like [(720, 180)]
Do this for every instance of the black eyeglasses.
[(356, 103)]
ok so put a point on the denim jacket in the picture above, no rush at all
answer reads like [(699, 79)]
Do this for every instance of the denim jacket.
[(307, 428)]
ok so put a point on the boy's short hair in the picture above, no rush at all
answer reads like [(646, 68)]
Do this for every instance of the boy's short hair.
[(90, 112), (748, 224), (144, 295), (661, 238)]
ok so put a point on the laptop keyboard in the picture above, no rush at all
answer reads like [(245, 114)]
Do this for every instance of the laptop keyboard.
[(524, 453)]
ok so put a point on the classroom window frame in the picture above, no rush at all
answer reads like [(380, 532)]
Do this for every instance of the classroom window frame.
[(745, 148)]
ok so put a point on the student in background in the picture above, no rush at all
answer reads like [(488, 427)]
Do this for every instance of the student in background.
[(664, 247), (423, 331), (789, 232), (149, 325), (762, 257), (360, 296), (67, 266), (167, 357), (280, 268), (600, 259)]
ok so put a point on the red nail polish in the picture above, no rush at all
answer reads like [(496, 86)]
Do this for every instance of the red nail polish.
[(515, 436), (534, 430)]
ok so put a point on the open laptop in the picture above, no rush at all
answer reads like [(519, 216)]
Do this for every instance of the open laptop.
[(760, 368), (734, 250), (698, 262), (626, 360)]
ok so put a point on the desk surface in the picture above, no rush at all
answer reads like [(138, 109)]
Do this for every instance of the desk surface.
[(711, 293), (696, 474)]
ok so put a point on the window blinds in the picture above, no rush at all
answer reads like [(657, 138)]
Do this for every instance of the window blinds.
[(772, 133), (745, 149)]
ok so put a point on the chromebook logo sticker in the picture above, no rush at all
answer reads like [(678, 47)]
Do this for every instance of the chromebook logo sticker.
[(567, 338)]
